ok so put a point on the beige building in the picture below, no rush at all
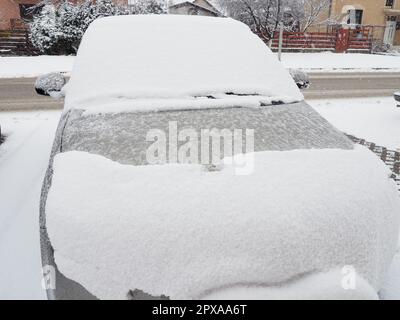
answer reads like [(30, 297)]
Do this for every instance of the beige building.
[(384, 15)]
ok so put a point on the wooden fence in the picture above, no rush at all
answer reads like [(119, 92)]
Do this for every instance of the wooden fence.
[(15, 43), (311, 40), (336, 40), (18, 24)]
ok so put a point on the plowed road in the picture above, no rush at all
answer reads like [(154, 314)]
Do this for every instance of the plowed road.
[(352, 85), (18, 94)]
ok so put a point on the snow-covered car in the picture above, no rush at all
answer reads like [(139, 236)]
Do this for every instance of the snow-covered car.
[(301, 78), (135, 207)]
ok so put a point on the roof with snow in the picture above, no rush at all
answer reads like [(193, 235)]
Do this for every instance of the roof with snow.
[(138, 58)]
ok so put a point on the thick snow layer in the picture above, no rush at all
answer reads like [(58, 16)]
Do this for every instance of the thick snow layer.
[(173, 57), (24, 159), (182, 231), (19, 67), (328, 61), (373, 119), (319, 286)]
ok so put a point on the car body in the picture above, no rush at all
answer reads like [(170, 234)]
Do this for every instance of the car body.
[(116, 225)]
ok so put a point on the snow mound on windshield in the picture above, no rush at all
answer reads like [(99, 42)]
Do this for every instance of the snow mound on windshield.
[(166, 56), (181, 231)]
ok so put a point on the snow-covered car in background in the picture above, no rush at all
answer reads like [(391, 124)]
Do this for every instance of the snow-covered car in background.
[(303, 209), (301, 78)]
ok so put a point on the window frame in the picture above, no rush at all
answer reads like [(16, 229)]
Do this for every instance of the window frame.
[(358, 16), (390, 3)]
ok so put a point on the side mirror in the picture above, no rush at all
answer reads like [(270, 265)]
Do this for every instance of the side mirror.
[(50, 84), (397, 98), (301, 78)]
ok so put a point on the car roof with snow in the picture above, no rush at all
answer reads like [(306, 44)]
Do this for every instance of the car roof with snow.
[(169, 61)]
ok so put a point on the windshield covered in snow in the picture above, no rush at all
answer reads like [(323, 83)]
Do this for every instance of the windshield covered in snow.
[(122, 137), (174, 59)]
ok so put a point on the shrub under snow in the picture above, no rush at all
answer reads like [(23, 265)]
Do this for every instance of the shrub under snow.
[(58, 29)]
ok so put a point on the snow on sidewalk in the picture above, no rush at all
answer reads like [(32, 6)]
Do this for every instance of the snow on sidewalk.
[(17, 67), (328, 61), (23, 160), (373, 119), (20, 67)]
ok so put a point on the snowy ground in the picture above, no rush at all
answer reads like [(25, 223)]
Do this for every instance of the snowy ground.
[(18, 67), (11, 67), (328, 61), (373, 119), (24, 157), (23, 161)]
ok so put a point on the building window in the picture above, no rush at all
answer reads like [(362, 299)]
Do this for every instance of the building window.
[(355, 16), (390, 3)]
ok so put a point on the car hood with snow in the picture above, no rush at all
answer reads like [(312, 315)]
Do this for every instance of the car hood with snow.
[(174, 62), (117, 228)]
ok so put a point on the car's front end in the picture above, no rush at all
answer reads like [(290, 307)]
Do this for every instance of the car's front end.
[(178, 178)]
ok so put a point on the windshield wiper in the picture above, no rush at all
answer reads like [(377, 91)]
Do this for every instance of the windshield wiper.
[(242, 94), (208, 97)]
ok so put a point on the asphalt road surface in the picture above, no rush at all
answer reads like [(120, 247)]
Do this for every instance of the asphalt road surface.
[(19, 94), (352, 85)]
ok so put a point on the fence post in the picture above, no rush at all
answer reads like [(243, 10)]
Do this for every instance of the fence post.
[(280, 41), (342, 40)]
